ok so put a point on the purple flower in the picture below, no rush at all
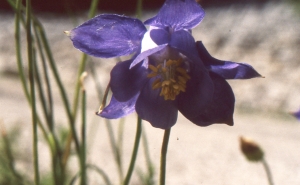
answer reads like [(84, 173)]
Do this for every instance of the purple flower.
[(297, 114), (169, 71)]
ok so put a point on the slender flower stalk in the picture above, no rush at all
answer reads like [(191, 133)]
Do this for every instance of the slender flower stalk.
[(163, 158), (134, 152), (268, 171), (253, 153), (82, 65), (139, 8), (18, 8), (18, 48), (83, 132), (32, 91), (50, 112), (62, 90)]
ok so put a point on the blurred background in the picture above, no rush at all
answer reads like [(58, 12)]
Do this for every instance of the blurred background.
[(262, 33), (129, 6)]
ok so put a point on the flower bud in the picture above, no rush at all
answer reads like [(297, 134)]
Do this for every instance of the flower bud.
[(251, 150)]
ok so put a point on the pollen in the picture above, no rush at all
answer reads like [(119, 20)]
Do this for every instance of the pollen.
[(170, 77)]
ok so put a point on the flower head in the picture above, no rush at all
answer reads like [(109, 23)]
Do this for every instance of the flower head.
[(297, 114), (169, 71), (251, 149)]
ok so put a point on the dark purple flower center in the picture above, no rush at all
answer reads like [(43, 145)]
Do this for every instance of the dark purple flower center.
[(170, 76)]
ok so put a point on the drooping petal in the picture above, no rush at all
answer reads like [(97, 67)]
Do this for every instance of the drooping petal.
[(153, 108), (199, 93), (126, 83), (108, 35), (226, 69), (220, 109), (117, 109), (178, 15)]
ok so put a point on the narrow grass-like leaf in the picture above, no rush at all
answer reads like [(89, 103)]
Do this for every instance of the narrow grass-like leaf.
[(83, 133), (32, 91)]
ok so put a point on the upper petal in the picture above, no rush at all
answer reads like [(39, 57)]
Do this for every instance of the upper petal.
[(178, 15), (126, 83), (159, 36), (226, 69), (117, 109), (220, 109), (108, 35), (184, 42), (153, 108)]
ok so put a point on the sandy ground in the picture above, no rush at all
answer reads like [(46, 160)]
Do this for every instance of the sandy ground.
[(210, 155)]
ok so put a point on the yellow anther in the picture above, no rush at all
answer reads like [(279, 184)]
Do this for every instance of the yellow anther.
[(186, 76), (175, 86), (178, 62), (156, 84), (165, 83), (182, 79), (150, 75), (165, 90), (153, 68), (181, 70), (171, 78), (170, 62), (182, 88), (182, 85)]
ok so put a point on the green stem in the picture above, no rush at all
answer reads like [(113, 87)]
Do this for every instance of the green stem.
[(59, 83), (163, 158), (58, 171), (93, 8), (268, 171), (83, 137), (50, 116), (135, 150), (32, 91), (18, 50), (17, 8), (139, 8), (40, 88)]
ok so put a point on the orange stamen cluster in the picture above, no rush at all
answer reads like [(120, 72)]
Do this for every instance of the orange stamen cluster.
[(171, 78)]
